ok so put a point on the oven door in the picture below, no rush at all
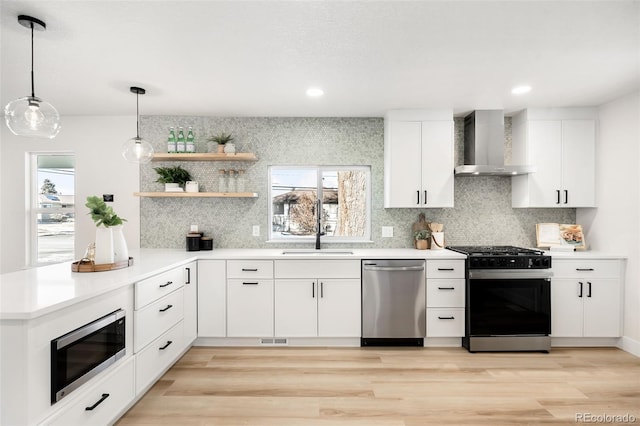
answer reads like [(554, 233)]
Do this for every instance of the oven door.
[(509, 303)]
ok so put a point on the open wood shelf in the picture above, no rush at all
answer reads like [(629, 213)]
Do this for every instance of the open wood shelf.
[(204, 156), (197, 194)]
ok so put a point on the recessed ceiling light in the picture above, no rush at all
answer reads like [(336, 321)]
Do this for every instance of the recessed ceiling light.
[(521, 90), (314, 92)]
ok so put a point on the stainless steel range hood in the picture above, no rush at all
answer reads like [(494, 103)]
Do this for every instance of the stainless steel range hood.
[(484, 147)]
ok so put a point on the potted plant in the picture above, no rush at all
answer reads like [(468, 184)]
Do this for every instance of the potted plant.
[(110, 245), (222, 139), (172, 177), (422, 239)]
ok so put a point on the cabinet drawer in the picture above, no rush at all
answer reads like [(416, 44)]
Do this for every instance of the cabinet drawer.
[(116, 391), (445, 322), (146, 291), (317, 269), (443, 293), (585, 268), (250, 269), (445, 268), (161, 353), (156, 318)]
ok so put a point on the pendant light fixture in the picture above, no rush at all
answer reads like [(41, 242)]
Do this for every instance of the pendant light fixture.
[(31, 116), (137, 150)]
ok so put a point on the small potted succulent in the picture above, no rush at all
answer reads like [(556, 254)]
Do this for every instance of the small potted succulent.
[(422, 239), (172, 177), (222, 140)]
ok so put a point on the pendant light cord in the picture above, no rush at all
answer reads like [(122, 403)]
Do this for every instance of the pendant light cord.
[(33, 90), (137, 117)]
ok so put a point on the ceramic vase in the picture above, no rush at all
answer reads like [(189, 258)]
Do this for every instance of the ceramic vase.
[(120, 250), (104, 245), (230, 148)]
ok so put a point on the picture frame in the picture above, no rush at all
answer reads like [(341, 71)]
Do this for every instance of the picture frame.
[(568, 236)]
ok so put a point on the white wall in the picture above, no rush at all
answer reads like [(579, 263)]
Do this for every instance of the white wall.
[(615, 225), (100, 169)]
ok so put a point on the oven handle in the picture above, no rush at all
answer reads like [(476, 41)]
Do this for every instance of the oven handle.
[(510, 274)]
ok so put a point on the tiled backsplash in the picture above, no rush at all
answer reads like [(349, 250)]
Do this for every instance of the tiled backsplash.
[(482, 213)]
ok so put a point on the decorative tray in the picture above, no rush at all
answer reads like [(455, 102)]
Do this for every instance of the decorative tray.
[(85, 265)]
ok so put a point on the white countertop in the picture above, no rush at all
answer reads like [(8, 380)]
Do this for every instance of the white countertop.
[(31, 293)]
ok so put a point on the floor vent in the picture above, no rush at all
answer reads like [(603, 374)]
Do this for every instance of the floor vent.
[(279, 341)]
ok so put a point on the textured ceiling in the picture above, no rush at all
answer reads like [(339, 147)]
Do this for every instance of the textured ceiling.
[(244, 58)]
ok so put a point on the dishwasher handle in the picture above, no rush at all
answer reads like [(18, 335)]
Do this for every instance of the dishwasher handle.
[(392, 268)]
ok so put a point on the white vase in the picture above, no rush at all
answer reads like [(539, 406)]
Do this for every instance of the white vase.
[(229, 148), (104, 245), (120, 251)]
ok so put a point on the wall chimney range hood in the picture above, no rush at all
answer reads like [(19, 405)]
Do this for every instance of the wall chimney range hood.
[(484, 147)]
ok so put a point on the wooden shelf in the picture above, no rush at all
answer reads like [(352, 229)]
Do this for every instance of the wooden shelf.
[(197, 194), (204, 156)]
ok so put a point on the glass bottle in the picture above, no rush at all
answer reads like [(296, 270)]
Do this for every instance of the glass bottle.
[(180, 144), (222, 181), (240, 181), (171, 141), (191, 143), (231, 181)]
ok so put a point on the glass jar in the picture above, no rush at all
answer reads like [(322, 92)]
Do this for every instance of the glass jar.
[(222, 180), (231, 181), (240, 181)]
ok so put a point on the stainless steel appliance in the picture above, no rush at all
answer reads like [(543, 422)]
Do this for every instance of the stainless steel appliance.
[(508, 299), (81, 354), (393, 302)]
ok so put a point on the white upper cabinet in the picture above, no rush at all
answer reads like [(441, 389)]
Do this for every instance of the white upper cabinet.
[(418, 159), (560, 143)]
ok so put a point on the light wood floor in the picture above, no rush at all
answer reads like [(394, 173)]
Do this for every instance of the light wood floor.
[(395, 386)]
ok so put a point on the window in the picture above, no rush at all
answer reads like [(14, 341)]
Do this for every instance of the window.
[(52, 208), (346, 203)]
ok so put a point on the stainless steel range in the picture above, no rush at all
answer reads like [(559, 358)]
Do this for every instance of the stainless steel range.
[(508, 299)]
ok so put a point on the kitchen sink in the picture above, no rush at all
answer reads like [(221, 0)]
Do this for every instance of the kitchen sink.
[(313, 252)]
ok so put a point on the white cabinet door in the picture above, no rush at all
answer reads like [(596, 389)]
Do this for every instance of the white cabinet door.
[(602, 308), (190, 303), (212, 298), (566, 308), (403, 178), (296, 308), (545, 152), (339, 308), (249, 308), (578, 163), (437, 164)]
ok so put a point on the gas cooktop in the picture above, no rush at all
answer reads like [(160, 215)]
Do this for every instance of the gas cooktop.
[(504, 257)]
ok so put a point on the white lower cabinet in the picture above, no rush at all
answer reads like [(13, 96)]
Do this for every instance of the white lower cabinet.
[(445, 298), (249, 308), (212, 298), (308, 306), (158, 356), (317, 308), (586, 298), (190, 303), (102, 402), (156, 318)]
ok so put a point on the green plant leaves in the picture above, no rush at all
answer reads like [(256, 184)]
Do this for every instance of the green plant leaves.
[(101, 213)]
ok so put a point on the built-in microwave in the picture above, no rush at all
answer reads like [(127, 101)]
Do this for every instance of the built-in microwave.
[(84, 352)]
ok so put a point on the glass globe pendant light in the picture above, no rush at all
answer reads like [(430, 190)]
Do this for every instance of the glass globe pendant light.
[(137, 150), (31, 116)]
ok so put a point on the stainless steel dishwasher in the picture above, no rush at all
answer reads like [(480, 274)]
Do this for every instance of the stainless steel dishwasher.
[(393, 303)]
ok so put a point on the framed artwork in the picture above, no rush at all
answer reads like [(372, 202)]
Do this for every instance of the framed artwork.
[(560, 235)]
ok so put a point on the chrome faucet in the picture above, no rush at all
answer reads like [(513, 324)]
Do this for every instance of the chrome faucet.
[(319, 224)]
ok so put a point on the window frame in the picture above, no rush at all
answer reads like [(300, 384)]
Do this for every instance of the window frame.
[(34, 209), (319, 169)]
